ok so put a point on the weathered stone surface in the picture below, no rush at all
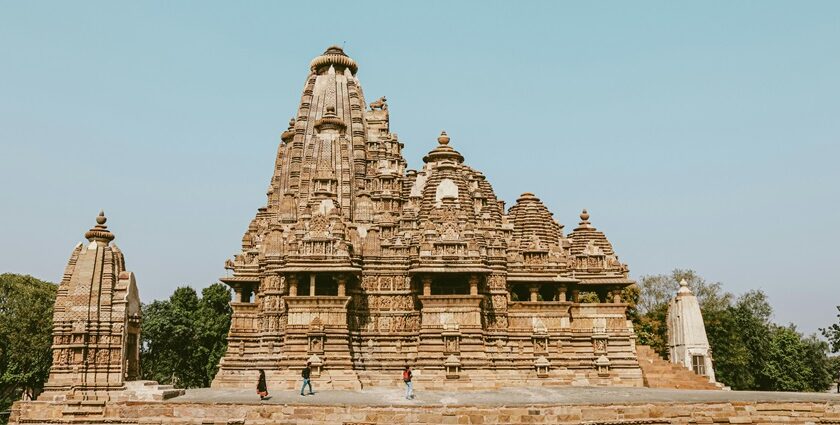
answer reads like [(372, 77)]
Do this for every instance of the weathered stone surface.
[(510, 406)]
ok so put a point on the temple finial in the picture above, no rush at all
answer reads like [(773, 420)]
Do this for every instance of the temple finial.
[(584, 215), (443, 139), (100, 232), (684, 289)]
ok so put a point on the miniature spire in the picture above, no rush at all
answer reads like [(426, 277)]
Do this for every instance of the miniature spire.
[(287, 135), (330, 120), (100, 232)]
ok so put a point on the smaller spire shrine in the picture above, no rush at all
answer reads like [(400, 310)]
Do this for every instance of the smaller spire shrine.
[(687, 341), (96, 324)]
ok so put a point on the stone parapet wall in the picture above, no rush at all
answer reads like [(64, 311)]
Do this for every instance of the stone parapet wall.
[(149, 413)]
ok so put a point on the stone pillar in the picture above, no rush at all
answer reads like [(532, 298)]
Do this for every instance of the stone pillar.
[(293, 285), (342, 285), (427, 285), (616, 296), (473, 284), (561, 293), (237, 291), (575, 296), (311, 284), (535, 291)]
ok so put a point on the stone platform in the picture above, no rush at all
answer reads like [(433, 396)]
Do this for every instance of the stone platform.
[(507, 406)]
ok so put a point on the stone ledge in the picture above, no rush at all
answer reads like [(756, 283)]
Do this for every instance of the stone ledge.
[(822, 410)]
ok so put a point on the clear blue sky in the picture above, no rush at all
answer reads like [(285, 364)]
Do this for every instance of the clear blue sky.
[(702, 136)]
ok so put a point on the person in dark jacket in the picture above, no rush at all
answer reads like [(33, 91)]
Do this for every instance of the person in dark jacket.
[(305, 375), (262, 388)]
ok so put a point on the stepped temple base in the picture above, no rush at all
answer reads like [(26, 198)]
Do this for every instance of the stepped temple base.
[(476, 380), (506, 406)]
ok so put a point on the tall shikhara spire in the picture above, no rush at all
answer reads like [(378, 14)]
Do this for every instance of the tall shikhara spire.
[(357, 264), (324, 160)]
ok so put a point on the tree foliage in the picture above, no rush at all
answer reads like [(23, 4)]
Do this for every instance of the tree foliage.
[(749, 351), (26, 313), (184, 337), (832, 333)]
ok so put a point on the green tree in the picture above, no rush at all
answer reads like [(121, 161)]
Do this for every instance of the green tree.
[(795, 363), (26, 313), (184, 337), (832, 333), (752, 314), (730, 355), (834, 368), (652, 329)]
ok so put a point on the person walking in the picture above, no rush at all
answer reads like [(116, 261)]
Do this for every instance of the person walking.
[(262, 388), (305, 373), (409, 387)]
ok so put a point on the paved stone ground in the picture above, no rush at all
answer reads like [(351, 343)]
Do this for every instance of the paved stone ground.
[(504, 397)]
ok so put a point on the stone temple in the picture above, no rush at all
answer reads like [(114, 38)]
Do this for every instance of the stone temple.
[(362, 266)]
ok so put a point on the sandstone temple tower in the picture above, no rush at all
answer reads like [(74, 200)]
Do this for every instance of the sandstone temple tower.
[(362, 266), (96, 323)]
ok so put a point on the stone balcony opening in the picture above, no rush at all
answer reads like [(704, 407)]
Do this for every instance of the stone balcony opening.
[(537, 292), (448, 284), (318, 284)]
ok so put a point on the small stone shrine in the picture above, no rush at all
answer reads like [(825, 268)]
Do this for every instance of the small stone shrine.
[(687, 341), (96, 327), (362, 266)]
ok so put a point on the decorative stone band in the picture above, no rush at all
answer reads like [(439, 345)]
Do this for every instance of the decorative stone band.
[(330, 121), (330, 58)]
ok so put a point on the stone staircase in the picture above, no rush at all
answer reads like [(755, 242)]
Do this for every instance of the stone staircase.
[(148, 390), (660, 373)]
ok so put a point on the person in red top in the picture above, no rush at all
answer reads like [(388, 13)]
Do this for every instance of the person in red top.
[(409, 387)]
